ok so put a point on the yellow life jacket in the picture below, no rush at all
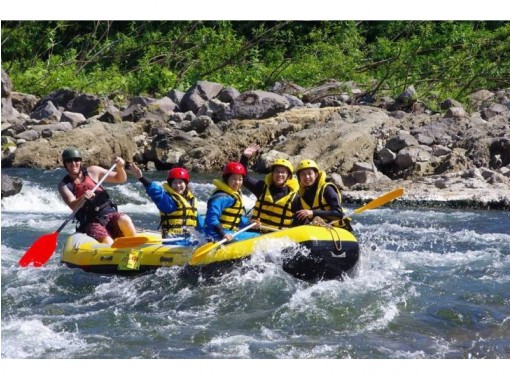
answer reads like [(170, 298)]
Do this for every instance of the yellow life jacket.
[(231, 216), (319, 202), (277, 214), (185, 215)]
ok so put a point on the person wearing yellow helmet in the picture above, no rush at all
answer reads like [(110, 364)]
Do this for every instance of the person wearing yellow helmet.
[(317, 197), (175, 201), (274, 193), (98, 217)]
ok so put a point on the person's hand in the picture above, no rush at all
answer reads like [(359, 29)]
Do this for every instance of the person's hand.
[(251, 150), (304, 214), (257, 221), (228, 237), (89, 194), (119, 162), (135, 171)]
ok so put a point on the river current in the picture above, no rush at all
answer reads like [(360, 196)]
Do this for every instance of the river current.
[(431, 284)]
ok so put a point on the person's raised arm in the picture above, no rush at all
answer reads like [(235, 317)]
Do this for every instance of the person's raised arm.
[(137, 173), (70, 199), (250, 150)]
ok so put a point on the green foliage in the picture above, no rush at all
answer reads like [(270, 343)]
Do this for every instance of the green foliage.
[(440, 58)]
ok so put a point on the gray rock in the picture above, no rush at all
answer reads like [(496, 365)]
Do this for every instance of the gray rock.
[(29, 135), (449, 103), (258, 105), (112, 115), (47, 112), (228, 94), (87, 105), (408, 156), (74, 118), (401, 141), (24, 103), (59, 98), (63, 127), (197, 95), (455, 112), (440, 150), (144, 101), (133, 113), (494, 110), (386, 156), (176, 96), (214, 109), (10, 185), (478, 98)]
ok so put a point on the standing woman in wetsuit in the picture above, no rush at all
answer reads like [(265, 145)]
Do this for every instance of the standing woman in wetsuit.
[(98, 217), (317, 197)]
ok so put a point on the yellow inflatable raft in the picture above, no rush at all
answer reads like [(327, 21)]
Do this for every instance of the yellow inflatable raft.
[(126, 256), (330, 252)]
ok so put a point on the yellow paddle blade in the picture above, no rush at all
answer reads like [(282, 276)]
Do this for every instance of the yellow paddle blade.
[(383, 199), (201, 251), (131, 241)]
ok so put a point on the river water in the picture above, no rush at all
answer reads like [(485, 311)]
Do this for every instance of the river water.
[(431, 283)]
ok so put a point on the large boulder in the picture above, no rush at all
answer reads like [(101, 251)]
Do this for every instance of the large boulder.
[(10, 185), (258, 105), (197, 95), (59, 98), (99, 143), (87, 105)]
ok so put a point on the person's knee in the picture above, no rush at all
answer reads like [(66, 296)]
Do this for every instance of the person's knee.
[(125, 220), (106, 240), (126, 224)]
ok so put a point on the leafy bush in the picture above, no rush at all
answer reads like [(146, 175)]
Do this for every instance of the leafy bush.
[(440, 58)]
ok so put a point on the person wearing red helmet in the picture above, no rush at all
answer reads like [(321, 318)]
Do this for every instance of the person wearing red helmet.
[(176, 203), (274, 193), (225, 208)]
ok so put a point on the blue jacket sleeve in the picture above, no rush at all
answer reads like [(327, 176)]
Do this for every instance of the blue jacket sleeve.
[(200, 223), (215, 207), (160, 197)]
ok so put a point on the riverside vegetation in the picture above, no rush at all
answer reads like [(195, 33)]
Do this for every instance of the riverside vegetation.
[(442, 59)]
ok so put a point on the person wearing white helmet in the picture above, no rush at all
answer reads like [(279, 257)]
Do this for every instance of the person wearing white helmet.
[(274, 193), (317, 197)]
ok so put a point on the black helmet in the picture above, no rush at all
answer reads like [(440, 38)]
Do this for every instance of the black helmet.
[(70, 153)]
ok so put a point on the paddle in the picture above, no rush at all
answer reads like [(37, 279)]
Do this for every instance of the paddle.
[(201, 251), (133, 241), (382, 200), (42, 249), (269, 228)]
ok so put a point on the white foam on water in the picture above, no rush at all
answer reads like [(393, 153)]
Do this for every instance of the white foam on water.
[(34, 199), (30, 338), (236, 346), (10, 256)]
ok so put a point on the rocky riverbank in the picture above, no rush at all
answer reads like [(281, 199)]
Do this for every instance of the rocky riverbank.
[(458, 157)]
